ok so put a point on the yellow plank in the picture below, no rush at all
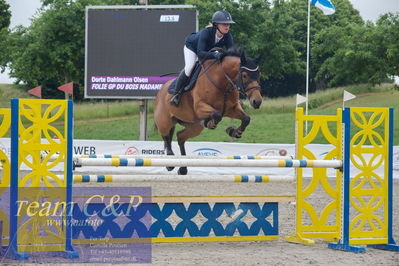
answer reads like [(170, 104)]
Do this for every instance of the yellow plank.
[(41, 248), (214, 199)]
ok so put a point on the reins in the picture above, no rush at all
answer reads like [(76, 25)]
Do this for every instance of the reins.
[(242, 87), (225, 92)]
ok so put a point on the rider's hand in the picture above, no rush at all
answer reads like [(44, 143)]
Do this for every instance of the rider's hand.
[(217, 55)]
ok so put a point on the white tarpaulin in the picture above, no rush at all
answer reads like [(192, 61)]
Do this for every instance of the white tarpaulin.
[(196, 148)]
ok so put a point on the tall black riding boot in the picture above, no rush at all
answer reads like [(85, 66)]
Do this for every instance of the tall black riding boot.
[(180, 84)]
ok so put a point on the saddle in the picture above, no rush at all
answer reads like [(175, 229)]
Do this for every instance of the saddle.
[(191, 82)]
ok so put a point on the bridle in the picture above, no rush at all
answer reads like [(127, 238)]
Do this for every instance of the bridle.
[(239, 85), (225, 92)]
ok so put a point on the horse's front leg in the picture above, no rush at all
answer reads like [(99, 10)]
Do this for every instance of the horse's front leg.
[(190, 131), (237, 113), (237, 132), (211, 116), (213, 120)]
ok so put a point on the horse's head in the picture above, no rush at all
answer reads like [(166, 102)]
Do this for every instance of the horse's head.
[(249, 80)]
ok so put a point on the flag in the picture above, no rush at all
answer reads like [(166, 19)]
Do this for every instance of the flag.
[(68, 88), (348, 96), (300, 99), (324, 5), (37, 91)]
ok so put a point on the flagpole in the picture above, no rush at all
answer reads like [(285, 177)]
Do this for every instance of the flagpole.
[(307, 66)]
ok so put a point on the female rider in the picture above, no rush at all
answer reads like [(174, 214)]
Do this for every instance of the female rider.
[(198, 45)]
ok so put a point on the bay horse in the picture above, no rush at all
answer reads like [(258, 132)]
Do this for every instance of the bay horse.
[(214, 95)]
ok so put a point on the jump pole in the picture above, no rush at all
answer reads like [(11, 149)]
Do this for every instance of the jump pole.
[(181, 178), (138, 162), (230, 157)]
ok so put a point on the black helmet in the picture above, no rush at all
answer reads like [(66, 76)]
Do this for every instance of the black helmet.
[(223, 17)]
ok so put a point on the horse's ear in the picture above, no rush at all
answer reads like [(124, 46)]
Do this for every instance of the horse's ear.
[(258, 58), (243, 57)]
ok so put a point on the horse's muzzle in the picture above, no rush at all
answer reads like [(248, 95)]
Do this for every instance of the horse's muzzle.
[(256, 104)]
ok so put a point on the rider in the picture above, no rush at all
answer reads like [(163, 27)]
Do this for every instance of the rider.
[(198, 44)]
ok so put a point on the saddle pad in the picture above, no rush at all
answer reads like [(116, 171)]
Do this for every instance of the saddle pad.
[(191, 83)]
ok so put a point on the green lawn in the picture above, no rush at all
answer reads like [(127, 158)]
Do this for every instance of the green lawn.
[(272, 123)]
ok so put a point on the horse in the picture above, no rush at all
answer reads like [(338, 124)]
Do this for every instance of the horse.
[(214, 95)]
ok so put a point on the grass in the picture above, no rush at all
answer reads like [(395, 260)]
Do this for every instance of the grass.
[(105, 109), (272, 123), (9, 91)]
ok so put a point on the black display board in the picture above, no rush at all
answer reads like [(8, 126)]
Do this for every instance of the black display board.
[(131, 51)]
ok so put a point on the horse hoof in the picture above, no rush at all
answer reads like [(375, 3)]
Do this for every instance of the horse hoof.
[(170, 168), (182, 171), (238, 134), (230, 131), (211, 124)]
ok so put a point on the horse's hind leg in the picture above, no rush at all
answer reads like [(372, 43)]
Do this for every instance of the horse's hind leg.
[(167, 140), (190, 131)]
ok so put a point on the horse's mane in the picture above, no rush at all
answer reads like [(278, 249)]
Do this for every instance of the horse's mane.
[(234, 51)]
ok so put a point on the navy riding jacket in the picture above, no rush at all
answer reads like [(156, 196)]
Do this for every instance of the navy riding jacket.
[(204, 40)]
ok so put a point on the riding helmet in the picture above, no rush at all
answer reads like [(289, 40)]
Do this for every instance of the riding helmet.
[(222, 17)]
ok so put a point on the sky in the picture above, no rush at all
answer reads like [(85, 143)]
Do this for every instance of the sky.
[(23, 10)]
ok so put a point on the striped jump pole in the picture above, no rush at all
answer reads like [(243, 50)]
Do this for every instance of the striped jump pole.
[(181, 178), (138, 162), (231, 157)]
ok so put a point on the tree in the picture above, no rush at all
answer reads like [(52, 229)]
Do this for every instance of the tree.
[(5, 17), (296, 10), (358, 53), (50, 52), (388, 29), (351, 55)]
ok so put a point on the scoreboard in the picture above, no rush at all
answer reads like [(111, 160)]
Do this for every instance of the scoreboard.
[(131, 51)]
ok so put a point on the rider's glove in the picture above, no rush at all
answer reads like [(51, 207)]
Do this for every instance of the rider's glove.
[(217, 55)]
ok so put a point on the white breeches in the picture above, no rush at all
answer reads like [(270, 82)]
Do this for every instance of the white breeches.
[(189, 61)]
